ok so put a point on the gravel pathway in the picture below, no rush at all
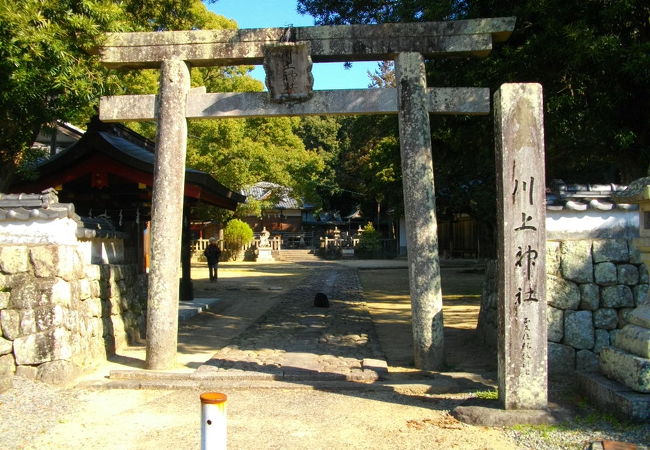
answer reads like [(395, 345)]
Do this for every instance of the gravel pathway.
[(295, 339), (32, 408)]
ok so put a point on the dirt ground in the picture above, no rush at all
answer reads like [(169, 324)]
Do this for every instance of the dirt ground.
[(264, 419), (404, 414), (386, 293), (259, 416), (246, 291)]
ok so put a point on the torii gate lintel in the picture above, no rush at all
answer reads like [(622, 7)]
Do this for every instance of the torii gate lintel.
[(335, 43)]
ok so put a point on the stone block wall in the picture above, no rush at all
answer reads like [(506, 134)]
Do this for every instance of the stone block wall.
[(60, 316), (592, 285)]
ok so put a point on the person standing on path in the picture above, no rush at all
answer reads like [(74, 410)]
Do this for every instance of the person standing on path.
[(212, 254)]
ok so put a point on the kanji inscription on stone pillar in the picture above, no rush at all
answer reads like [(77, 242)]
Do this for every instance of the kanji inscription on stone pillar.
[(288, 72), (521, 197)]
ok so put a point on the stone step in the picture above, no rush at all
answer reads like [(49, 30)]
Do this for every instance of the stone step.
[(613, 396), (305, 257), (294, 255), (633, 339), (626, 368)]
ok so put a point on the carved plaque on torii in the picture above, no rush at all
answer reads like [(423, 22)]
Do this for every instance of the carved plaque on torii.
[(288, 72)]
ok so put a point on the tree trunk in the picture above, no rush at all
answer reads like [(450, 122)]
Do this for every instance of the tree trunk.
[(15, 137), (7, 175)]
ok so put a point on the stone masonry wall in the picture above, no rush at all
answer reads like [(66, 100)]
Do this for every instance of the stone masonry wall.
[(59, 316), (592, 285)]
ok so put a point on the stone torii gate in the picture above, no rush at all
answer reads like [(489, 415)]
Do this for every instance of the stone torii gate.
[(287, 55)]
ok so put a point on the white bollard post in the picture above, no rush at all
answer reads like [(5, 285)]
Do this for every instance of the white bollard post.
[(213, 421)]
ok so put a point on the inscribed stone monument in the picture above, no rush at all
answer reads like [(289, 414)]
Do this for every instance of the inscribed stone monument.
[(288, 72), (522, 335)]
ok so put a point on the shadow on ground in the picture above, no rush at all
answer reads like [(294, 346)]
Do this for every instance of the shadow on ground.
[(265, 327), (387, 297)]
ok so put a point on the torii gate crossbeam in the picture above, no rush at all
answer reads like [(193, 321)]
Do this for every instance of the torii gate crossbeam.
[(124, 108), (335, 43)]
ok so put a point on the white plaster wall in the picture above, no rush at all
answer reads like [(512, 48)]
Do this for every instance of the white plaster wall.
[(61, 232), (58, 231), (566, 224), (592, 224), (102, 251)]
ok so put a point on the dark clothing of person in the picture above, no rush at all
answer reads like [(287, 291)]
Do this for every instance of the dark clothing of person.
[(212, 254)]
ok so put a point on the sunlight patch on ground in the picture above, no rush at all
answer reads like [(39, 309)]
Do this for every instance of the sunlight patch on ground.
[(236, 270), (387, 296), (460, 297), (377, 296)]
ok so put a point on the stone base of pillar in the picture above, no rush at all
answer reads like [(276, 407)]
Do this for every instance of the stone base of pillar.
[(264, 254), (490, 414)]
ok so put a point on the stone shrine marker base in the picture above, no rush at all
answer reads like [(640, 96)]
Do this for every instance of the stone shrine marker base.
[(264, 254), (613, 396), (490, 413)]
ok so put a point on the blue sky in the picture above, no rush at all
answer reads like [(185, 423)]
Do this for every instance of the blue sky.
[(281, 13)]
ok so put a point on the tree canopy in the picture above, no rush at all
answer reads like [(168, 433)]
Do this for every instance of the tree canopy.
[(45, 70), (48, 69), (592, 59), (49, 72)]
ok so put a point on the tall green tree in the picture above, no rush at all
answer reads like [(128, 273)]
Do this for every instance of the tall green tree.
[(361, 157), (370, 164), (242, 152), (372, 156), (591, 57), (48, 69), (320, 135), (46, 72)]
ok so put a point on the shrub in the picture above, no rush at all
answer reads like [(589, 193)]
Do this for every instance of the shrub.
[(331, 252), (235, 236), (369, 243)]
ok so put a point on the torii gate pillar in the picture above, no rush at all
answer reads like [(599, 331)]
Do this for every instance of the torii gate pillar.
[(420, 212), (167, 215)]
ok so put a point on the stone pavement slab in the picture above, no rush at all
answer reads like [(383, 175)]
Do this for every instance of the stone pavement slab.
[(189, 309), (296, 340)]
